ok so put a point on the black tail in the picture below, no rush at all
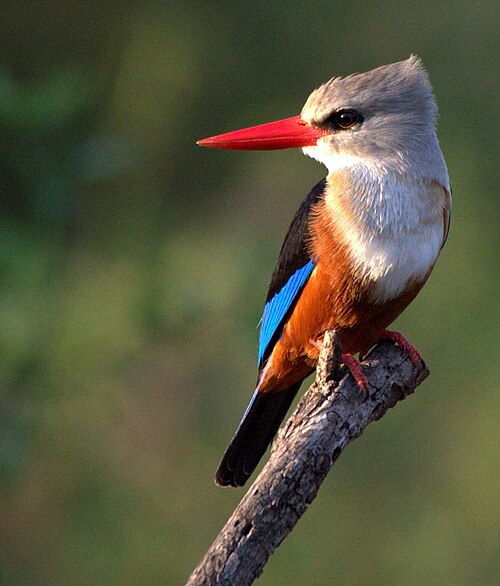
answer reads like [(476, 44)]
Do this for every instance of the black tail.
[(254, 434)]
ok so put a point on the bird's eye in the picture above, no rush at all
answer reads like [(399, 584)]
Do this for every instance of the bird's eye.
[(344, 119)]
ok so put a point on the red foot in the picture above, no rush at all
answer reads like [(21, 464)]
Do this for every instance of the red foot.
[(355, 369), (402, 342), (352, 364)]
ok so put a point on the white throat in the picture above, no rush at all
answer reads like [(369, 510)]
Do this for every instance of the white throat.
[(392, 225), (419, 164)]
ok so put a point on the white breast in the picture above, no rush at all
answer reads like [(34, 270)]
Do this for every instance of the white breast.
[(393, 228)]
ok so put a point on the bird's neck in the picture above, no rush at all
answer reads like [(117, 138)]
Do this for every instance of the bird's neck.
[(418, 158), (356, 199), (390, 224), (376, 200)]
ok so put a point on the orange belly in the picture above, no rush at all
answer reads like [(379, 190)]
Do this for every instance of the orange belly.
[(334, 297), (326, 305)]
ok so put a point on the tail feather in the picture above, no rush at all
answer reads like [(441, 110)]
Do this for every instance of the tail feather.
[(260, 423)]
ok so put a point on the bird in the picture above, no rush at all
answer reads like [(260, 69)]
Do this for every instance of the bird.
[(361, 245)]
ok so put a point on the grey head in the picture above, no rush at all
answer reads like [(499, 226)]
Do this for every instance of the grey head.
[(385, 117)]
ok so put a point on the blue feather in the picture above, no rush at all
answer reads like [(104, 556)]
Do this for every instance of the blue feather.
[(276, 308)]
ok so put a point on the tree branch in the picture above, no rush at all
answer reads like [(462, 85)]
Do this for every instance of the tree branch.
[(327, 418)]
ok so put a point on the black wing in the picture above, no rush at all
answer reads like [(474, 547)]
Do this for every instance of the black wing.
[(294, 268)]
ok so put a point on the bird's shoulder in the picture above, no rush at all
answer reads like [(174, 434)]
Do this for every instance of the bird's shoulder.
[(293, 269), (294, 253)]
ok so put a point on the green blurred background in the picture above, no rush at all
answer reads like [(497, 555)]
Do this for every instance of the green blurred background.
[(133, 268)]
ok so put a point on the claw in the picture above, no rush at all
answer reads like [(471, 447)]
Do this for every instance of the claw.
[(351, 363), (402, 342), (355, 369)]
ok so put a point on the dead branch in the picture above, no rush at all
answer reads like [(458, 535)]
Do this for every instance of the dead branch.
[(328, 417)]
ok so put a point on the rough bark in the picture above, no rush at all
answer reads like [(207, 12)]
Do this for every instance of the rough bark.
[(329, 416)]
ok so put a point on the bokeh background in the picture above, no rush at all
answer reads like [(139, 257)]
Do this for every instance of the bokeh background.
[(133, 269)]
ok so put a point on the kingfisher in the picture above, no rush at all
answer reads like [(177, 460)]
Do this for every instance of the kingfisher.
[(361, 245)]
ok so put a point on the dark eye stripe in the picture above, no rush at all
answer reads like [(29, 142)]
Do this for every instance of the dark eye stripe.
[(343, 119)]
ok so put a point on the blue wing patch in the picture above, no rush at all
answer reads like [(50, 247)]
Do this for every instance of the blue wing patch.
[(277, 307)]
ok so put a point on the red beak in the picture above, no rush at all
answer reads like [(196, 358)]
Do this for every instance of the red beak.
[(283, 134)]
